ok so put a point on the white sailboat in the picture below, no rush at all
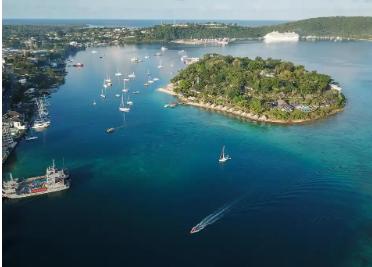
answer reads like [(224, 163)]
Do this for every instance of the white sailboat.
[(102, 94), (122, 106), (108, 81), (42, 121), (223, 157), (129, 102), (124, 89), (132, 75), (160, 66), (118, 74)]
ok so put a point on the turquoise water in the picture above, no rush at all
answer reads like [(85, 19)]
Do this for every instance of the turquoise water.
[(305, 191)]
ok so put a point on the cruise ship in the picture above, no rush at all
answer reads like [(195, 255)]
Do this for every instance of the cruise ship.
[(275, 36), (54, 180)]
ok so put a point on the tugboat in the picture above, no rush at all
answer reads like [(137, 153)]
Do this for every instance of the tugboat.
[(54, 180)]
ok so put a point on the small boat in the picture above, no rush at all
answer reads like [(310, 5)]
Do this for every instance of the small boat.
[(129, 102), (196, 229), (41, 124), (94, 52), (147, 57), (110, 130), (160, 66), (94, 103), (134, 60), (78, 65), (150, 81), (136, 92), (125, 90), (181, 51), (146, 84), (117, 95), (155, 79), (171, 105), (223, 158), (132, 75), (126, 80), (32, 137), (157, 54), (122, 106), (102, 94), (118, 74), (163, 48)]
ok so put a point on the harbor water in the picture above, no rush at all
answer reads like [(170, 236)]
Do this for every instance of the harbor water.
[(301, 194)]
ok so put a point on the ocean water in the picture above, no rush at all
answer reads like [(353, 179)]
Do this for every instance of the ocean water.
[(131, 23), (302, 193)]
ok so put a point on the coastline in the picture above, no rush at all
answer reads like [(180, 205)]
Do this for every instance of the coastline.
[(236, 112)]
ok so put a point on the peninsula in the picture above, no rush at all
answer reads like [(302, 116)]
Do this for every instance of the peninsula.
[(262, 90)]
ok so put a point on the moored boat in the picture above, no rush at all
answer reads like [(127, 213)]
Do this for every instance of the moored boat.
[(54, 180)]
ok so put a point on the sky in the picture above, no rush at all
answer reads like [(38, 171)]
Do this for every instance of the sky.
[(185, 9)]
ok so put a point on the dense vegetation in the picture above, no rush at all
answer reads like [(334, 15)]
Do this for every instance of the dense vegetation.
[(271, 88), (346, 27)]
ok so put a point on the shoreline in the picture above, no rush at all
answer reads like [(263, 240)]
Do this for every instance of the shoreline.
[(238, 113)]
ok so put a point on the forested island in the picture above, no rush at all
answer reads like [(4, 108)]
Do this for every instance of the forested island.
[(267, 90)]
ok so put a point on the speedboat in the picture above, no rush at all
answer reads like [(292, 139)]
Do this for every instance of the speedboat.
[(29, 138), (196, 229), (40, 124), (110, 130)]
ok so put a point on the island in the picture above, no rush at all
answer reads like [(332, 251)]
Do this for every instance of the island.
[(267, 90)]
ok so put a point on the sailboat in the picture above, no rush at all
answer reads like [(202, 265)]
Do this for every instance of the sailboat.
[(108, 81), (132, 75), (118, 73), (160, 66), (223, 158), (122, 106), (102, 94), (124, 89), (129, 102), (42, 121)]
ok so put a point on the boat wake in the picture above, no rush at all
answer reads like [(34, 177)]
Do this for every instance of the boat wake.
[(213, 217)]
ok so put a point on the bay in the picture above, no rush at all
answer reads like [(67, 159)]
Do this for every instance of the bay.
[(304, 191)]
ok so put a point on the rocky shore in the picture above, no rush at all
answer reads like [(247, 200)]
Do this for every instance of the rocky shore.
[(232, 110)]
